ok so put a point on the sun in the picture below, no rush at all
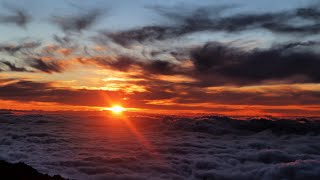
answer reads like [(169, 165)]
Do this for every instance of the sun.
[(116, 109)]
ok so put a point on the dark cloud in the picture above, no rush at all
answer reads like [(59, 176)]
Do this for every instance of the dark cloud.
[(62, 40), (269, 97), (77, 23), (125, 38), (183, 94), (27, 91), (13, 67), (213, 55), (124, 63), (197, 20), (220, 125), (28, 55), (22, 47), (179, 97), (47, 66), (121, 63), (210, 19), (212, 64), (161, 67), (236, 66), (10, 49), (312, 13), (216, 64)]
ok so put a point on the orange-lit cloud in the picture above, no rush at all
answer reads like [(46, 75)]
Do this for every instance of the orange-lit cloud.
[(272, 100), (158, 68)]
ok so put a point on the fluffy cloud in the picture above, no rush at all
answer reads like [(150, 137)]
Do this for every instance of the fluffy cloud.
[(205, 147)]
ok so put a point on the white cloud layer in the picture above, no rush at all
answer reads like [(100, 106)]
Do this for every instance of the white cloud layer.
[(94, 147)]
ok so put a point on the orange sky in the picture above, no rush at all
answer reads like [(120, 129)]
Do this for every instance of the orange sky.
[(256, 100), (187, 66), (91, 86)]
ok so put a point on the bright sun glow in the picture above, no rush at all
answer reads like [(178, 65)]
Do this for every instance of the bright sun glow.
[(116, 109)]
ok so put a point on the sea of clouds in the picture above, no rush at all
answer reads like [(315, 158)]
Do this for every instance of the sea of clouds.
[(155, 147)]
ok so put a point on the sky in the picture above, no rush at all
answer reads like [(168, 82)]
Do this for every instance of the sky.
[(224, 57)]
